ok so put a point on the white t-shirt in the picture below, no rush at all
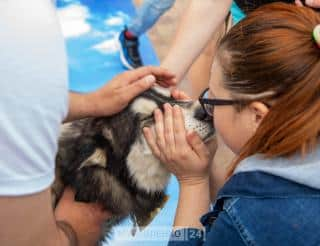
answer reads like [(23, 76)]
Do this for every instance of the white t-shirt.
[(33, 94)]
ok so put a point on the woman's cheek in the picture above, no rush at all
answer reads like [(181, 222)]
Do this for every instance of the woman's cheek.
[(222, 127), (227, 131)]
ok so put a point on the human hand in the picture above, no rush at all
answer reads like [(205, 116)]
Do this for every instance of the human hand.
[(117, 94), (184, 154), (180, 95), (86, 219), (310, 3)]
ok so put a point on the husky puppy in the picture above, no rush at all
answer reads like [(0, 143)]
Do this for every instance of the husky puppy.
[(107, 159)]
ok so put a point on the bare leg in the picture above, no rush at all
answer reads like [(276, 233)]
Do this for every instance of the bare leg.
[(199, 73), (193, 33)]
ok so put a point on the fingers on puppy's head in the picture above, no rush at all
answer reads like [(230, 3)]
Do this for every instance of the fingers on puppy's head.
[(150, 79)]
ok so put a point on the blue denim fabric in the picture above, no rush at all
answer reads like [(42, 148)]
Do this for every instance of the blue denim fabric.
[(255, 208), (148, 14)]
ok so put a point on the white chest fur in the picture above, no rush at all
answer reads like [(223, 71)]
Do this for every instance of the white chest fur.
[(147, 171)]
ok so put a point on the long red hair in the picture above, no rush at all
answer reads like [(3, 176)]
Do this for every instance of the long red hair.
[(272, 52)]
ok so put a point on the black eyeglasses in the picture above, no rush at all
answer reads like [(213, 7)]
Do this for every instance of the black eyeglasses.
[(208, 104)]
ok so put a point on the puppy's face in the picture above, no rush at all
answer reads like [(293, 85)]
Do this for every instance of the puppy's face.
[(126, 133), (117, 143)]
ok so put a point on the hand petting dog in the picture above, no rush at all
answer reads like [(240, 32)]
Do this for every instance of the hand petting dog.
[(116, 95), (184, 154)]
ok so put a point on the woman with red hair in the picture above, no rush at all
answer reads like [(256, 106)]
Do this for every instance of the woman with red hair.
[(264, 99)]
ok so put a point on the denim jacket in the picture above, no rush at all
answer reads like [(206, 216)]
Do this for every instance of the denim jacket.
[(257, 208)]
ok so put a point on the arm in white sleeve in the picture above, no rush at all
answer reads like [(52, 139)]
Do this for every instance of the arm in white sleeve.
[(33, 95)]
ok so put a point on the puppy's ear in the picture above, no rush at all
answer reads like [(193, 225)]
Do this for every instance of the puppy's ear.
[(107, 133), (143, 220), (98, 158), (143, 107)]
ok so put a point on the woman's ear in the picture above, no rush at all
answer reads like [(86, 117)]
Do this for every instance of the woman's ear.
[(259, 110)]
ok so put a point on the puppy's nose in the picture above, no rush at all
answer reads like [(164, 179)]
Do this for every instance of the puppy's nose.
[(200, 114)]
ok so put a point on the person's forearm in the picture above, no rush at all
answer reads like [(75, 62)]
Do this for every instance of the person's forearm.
[(197, 26), (81, 237), (79, 106), (85, 226), (194, 201)]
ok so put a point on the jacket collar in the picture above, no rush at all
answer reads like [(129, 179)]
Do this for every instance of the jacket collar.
[(258, 184)]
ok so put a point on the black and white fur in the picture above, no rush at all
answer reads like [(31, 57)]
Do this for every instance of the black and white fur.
[(107, 159)]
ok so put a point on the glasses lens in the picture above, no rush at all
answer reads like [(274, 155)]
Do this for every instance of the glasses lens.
[(207, 107)]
